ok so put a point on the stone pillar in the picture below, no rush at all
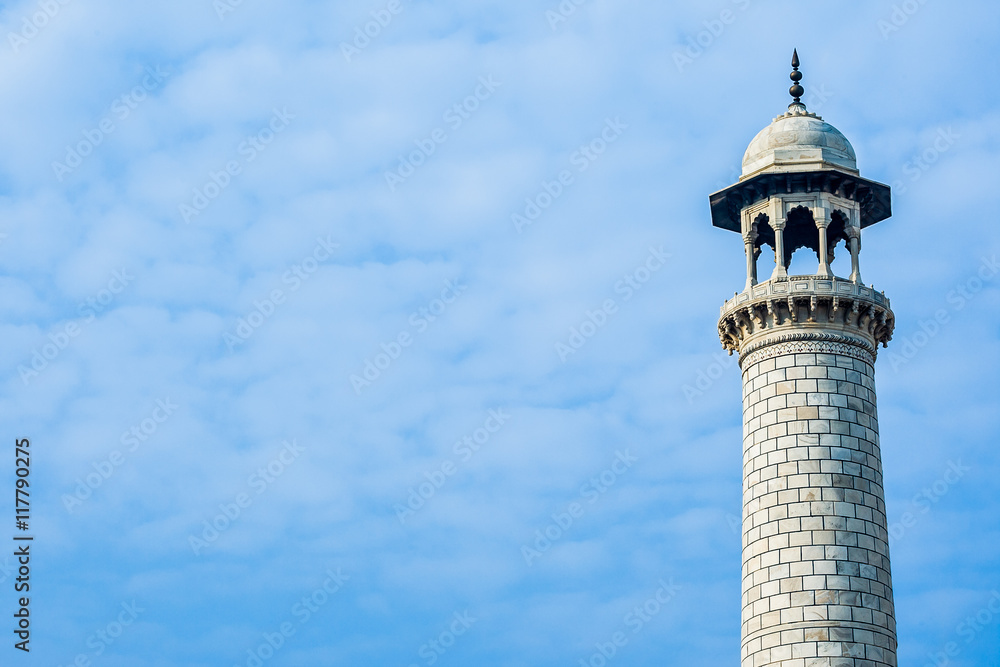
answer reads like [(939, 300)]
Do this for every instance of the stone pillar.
[(822, 222), (749, 240), (855, 235), (779, 248)]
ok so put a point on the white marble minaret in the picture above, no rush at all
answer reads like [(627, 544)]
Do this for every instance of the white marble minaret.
[(817, 590)]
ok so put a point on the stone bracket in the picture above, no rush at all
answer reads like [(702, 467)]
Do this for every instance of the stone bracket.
[(806, 305)]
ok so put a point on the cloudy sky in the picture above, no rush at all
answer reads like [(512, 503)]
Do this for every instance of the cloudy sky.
[(384, 332)]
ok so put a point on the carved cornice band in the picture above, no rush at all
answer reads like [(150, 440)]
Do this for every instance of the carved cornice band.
[(807, 310)]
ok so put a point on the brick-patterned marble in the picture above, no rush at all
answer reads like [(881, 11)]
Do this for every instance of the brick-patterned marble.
[(817, 590)]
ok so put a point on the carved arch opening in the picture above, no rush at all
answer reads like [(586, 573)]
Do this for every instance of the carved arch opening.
[(837, 234), (763, 234)]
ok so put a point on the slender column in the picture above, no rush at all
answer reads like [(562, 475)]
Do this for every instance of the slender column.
[(855, 235), (779, 249), (749, 240), (822, 222)]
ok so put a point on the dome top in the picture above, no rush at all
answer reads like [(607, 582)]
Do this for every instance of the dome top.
[(798, 157), (798, 140)]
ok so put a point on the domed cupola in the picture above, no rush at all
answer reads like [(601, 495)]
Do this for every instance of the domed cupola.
[(800, 187)]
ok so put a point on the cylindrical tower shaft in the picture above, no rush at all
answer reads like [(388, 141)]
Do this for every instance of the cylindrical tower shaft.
[(816, 580)]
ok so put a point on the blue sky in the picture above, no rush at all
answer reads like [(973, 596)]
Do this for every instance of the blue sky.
[(263, 273)]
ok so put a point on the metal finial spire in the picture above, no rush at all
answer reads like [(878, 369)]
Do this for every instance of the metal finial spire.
[(797, 91)]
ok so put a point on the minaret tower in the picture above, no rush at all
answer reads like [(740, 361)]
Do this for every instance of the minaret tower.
[(816, 585)]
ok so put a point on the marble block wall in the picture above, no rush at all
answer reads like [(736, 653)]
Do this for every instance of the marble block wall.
[(817, 590)]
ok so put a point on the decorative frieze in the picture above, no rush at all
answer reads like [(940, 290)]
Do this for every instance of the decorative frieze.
[(798, 344)]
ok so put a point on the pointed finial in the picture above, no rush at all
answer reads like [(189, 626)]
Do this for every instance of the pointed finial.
[(797, 91)]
